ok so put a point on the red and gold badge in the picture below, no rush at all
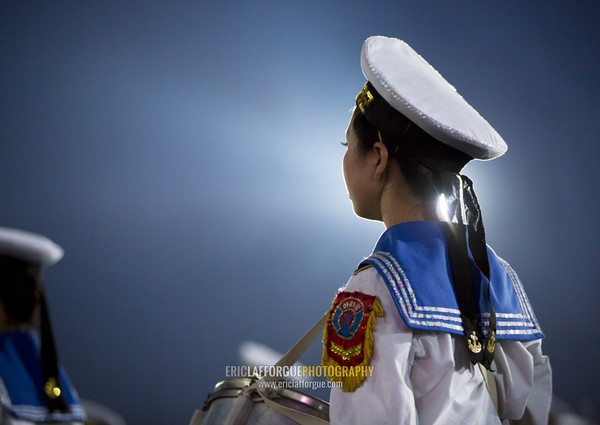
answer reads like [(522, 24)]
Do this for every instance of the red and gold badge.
[(348, 338)]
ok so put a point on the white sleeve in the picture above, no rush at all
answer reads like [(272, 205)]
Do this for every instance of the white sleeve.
[(524, 379), (386, 397), (426, 377)]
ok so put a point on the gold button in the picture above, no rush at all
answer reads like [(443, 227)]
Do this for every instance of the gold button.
[(51, 389)]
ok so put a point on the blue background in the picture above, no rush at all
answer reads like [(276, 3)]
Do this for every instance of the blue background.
[(186, 155)]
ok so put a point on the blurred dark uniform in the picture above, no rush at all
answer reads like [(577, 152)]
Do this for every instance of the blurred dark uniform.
[(33, 386)]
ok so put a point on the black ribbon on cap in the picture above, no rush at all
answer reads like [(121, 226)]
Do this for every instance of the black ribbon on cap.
[(480, 255), (462, 236), (49, 362)]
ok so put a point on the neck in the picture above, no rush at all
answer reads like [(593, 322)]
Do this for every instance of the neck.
[(7, 325), (400, 212), (399, 204)]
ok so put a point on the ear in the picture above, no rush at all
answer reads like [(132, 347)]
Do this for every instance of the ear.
[(382, 158)]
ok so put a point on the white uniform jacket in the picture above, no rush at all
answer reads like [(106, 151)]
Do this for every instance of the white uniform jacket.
[(425, 377)]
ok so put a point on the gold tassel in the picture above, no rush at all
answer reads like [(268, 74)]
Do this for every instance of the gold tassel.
[(352, 377)]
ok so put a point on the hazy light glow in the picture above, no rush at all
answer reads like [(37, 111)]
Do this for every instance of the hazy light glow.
[(442, 208)]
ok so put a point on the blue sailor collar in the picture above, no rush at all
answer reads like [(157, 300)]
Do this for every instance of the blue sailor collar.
[(413, 260), (21, 386)]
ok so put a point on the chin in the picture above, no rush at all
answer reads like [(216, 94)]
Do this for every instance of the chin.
[(367, 215)]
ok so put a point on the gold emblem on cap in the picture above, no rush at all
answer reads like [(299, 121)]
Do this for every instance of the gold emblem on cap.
[(473, 343), (364, 98), (51, 389)]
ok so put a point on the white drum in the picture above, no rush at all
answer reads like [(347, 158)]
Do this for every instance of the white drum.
[(238, 401)]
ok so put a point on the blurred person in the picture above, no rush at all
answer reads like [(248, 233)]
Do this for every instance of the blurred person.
[(33, 386)]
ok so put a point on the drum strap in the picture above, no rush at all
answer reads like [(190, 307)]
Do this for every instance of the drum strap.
[(490, 383), (294, 353), (291, 357)]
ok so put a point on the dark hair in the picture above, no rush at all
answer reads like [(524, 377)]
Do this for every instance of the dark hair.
[(19, 283), (419, 177)]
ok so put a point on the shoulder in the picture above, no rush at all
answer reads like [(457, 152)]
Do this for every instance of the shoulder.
[(361, 268), (366, 279)]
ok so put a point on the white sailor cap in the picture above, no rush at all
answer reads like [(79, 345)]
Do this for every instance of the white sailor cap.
[(415, 89), (30, 247)]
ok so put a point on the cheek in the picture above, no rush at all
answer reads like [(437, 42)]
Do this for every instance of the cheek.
[(349, 173), (345, 167)]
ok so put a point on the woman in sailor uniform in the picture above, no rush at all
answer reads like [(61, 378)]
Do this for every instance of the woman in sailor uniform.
[(444, 322), (33, 386)]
